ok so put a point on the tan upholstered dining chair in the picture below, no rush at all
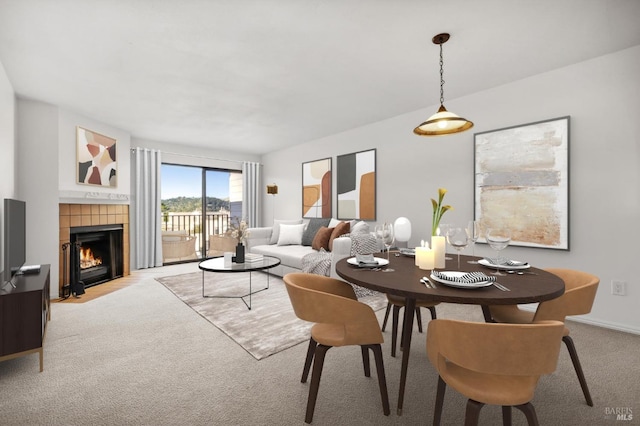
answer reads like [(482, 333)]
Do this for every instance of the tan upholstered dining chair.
[(497, 364), (579, 294), (340, 320), (397, 303)]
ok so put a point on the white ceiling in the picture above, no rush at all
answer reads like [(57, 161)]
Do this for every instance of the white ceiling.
[(257, 76)]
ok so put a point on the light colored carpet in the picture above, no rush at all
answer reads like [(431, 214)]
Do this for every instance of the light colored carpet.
[(139, 356), (268, 328)]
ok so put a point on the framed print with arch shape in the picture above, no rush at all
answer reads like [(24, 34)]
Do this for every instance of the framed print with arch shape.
[(96, 158), (522, 182), (316, 188)]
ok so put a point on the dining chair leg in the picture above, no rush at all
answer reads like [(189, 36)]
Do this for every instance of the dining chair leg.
[(382, 381), (432, 309), (386, 317), (394, 331), (506, 415), (419, 319), (529, 413), (318, 362), (437, 412), (365, 360), (576, 365), (307, 362), (472, 415)]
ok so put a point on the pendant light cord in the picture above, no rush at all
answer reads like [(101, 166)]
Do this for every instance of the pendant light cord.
[(441, 78)]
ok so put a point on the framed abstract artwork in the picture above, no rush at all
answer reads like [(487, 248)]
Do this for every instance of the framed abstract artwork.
[(356, 184), (522, 182), (96, 158), (316, 188)]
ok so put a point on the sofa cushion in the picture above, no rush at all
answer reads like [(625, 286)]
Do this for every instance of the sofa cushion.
[(289, 255), (360, 227), (290, 234), (321, 240), (314, 224), (340, 229), (275, 233)]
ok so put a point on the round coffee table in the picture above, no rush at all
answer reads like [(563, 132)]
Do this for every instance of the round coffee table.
[(217, 264)]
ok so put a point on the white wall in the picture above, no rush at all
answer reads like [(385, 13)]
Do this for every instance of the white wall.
[(602, 96), (7, 148), (37, 168)]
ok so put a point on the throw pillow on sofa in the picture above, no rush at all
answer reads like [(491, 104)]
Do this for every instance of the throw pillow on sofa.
[(309, 233), (275, 233), (290, 234), (340, 229), (321, 240)]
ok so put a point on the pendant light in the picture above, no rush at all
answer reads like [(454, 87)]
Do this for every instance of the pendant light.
[(443, 122)]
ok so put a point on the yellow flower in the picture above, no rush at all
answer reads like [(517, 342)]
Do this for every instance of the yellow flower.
[(438, 210)]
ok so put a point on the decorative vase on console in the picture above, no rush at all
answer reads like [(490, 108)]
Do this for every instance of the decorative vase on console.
[(438, 243)]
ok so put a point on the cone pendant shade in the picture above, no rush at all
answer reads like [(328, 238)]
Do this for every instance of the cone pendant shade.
[(443, 122)]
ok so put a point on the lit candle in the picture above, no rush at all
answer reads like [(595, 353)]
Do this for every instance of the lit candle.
[(438, 245), (424, 257)]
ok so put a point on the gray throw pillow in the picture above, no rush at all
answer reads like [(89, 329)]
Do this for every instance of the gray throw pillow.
[(315, 223)]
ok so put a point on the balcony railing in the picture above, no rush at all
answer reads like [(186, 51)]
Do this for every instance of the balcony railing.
[(217, 223)]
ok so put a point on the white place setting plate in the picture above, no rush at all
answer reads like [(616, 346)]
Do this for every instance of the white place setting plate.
[(381, 262), (407, 252), (516, 267), (458, 274)]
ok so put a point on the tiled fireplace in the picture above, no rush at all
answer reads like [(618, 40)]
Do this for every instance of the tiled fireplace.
[(96, 231)]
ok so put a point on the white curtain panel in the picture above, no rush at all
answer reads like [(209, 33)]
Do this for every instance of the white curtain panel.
[(251, 184), (148, 237)]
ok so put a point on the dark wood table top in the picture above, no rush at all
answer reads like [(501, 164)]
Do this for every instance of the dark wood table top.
[(404, 281)]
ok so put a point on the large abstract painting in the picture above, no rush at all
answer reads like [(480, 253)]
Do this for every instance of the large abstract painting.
[(356, 183), (96, 156), (316, 188), (522, 182)]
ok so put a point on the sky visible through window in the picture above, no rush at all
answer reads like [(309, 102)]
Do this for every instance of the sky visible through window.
[(185, 181)]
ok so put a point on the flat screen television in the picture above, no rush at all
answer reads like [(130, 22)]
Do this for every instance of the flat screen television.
[(14, 238)]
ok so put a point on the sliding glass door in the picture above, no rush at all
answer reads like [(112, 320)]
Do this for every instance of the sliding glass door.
[(187, 192)]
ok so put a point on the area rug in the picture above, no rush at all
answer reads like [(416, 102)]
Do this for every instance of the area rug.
[(268, 328)]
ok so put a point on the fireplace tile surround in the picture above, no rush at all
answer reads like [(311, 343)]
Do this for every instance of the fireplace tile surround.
[(72, 215)]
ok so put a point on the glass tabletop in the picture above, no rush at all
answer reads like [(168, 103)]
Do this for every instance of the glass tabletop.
[(216, 264)]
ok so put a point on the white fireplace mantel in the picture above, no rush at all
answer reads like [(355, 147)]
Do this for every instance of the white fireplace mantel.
[(90, 197)]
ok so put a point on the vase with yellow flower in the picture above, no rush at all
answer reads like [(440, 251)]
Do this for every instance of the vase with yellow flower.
[(438, 243)]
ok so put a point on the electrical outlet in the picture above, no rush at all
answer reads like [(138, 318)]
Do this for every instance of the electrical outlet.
[(618, 288)]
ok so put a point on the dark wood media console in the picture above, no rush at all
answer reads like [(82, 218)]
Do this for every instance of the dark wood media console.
[(24, 312)]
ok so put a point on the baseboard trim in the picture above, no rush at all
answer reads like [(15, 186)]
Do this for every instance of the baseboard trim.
[(598, 323)]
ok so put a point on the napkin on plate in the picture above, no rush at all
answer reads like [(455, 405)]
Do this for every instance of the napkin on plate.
[(366, 260), (468, 278), (501, 261)]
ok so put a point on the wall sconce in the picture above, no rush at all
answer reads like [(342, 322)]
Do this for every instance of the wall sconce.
[(272, 189)]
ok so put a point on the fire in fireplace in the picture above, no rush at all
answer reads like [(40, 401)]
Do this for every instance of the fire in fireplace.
[(96, 255)]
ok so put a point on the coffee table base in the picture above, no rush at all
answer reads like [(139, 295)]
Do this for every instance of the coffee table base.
[(251, 292)]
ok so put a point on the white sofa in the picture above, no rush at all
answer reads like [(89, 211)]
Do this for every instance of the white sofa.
[(291, 255)]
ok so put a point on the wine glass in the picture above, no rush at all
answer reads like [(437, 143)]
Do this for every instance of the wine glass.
[(498, 239), (458, 238), (443, 229), (385, 234), (473, 231)]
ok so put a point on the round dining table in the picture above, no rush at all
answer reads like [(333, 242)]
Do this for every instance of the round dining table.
[(402, 278)]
